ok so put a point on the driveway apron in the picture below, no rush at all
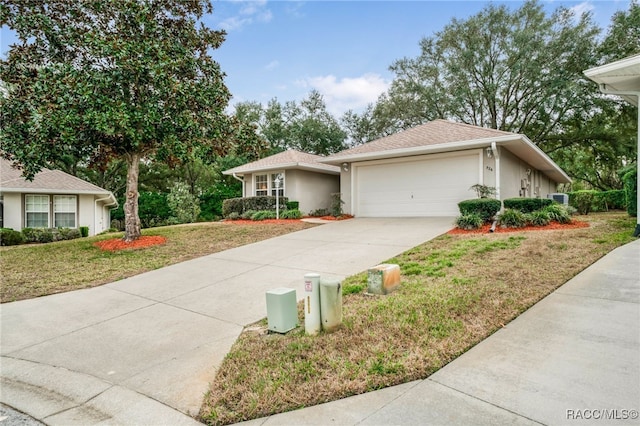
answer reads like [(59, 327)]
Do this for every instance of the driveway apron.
[(144, 349)]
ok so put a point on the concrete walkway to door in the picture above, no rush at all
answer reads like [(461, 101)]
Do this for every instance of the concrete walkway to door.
[(143, 350)]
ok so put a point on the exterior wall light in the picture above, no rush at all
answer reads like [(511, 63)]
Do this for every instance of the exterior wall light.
[(345, 167), (489, 152)]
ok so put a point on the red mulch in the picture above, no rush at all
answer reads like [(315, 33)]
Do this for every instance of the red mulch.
[(119, 244), (342, 217), (552, 226)]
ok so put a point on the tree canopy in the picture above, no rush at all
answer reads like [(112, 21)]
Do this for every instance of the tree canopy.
[(97, 80)]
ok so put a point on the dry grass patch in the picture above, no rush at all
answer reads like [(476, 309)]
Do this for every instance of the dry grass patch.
[(38, 270), (456, 290)]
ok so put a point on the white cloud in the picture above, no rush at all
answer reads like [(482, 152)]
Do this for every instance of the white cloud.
[(249, 12), (347, 93), (272, 65), (581, 8)]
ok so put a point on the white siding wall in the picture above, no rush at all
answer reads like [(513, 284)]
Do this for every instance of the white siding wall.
[(85, 213), (13, 211)]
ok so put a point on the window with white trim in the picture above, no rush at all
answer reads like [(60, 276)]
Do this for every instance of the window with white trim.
[(262, 185), (64, 211), (37, 211), (279, 176)]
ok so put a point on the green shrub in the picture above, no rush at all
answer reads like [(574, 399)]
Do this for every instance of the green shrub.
[(630, 182), (233, 216), (336, 204), (511, 218), (291, 214), (558, 213), (61, 234), (241, 205), (538, 218), (486, 208), (153, 210), (319, 213), (212, 200), (263, 214), (612, 200), (247, 215), (527, 205), (10, 237), (583, 200), (293, 205), (469, 221), (483, 191), (184, 206), (84, 231)]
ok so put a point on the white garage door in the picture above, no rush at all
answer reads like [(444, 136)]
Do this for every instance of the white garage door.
[(426, 186)]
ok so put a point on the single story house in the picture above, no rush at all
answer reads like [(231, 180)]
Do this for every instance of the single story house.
[(622, 78), (52, 199), (293, 174), (423, 171), (428, 169)]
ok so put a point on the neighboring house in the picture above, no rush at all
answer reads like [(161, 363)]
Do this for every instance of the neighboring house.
[(428, 169), (622, 78), (52, 199), (301, 177)]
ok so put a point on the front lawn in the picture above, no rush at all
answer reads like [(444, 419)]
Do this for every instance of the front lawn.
[(456, 290), (41, 269)]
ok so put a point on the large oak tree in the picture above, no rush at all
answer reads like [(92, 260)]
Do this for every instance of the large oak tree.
[(129, 79)]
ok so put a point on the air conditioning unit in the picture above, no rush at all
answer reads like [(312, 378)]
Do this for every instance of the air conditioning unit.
[(559, 198)]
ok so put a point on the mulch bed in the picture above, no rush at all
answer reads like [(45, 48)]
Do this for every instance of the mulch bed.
[(260, 222), (116, 244), (552, 226)]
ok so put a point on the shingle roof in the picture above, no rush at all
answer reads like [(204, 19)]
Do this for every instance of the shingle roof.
[(11, 180), (432, 133), (290, 159)]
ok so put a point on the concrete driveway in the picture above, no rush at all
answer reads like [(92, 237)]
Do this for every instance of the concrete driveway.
[(143, 350)]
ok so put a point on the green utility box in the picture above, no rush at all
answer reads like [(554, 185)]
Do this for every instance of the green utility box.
[(282, 311)]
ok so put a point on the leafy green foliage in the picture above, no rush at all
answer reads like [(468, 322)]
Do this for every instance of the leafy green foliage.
[(263, 215), (614, 199), (511, 218), (183, 204), (558, 213), (583, 200), (241, 205), (10, 237), (211, 201), (486, 208), (153, 211), (631, 191), (291, 214), (336, 204), (124, 80), (469, 221), (48, 235), (538, 218), (483, 191), (293, 205), (527, 205), (84, 231)]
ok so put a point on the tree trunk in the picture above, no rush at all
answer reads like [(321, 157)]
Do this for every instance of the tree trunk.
[(131, 219)]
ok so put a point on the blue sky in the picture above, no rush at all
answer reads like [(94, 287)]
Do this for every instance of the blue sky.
[(284, 49)]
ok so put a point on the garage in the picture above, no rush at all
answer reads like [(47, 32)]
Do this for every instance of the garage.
[(430, 185)]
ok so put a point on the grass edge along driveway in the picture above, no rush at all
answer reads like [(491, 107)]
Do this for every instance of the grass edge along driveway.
[(456, 290)]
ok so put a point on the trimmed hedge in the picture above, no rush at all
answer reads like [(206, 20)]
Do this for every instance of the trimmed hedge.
[(486, 208), (48, 235), (527, 205), (612, 200), (262, 203), (293, 205), (10, 237), (585, 201)]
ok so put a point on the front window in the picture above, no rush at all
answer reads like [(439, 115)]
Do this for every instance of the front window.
[(64, 211), (37, 211), (277, 183), (262, 185)]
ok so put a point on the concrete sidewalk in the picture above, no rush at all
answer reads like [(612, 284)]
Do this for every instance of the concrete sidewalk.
[(573, 358), (143, 350)]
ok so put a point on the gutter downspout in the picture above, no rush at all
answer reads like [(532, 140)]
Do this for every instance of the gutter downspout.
[(603, 89), (241, 180), (95, 208)]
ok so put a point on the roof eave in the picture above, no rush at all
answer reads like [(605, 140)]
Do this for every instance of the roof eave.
[(241, 171), (615, 78)]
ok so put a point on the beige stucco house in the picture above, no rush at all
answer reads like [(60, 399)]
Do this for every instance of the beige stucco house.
[(52, 199), (424, 171), (427, 170), (299, 176)]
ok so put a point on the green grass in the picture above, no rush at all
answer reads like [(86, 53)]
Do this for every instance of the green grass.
[(456, 290), (41, 269)]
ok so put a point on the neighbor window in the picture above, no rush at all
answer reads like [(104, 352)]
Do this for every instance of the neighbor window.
[(279, 176), (262, 185), (37, 211), (64, 211)]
